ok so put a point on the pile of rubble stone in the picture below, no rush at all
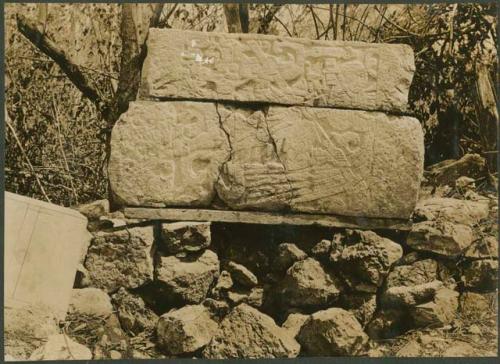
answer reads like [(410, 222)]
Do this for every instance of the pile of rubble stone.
[(173, 290)]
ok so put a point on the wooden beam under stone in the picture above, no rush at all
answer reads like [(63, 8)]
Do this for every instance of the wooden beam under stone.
[(264, 218)]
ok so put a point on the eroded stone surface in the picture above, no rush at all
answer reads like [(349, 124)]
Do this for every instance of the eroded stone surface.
[(167, 153), (133, 313), (452, 210), (410, 295), (306, 283), (481, 275), (365, 259), (248, 333), (362, 305), (262, 68), (186, 330), (121, 258), (332, 332), (438, 312), (187, 280), (185, 236), (440, 237), (314, 160), (90, 301)]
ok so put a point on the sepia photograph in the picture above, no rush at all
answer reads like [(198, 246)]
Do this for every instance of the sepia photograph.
[(250, 180)]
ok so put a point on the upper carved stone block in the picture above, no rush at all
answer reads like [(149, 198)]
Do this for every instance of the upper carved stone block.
[(278, 70)]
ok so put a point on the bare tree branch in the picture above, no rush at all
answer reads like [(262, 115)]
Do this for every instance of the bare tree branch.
[(314, 19), (266, 20), (34, 33), (236, 17)]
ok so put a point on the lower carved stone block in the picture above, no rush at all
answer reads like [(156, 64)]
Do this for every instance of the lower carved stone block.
[(297, 159)]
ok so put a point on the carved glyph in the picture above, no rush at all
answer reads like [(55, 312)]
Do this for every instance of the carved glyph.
[(167, 154), (316, 160), (260, 68)]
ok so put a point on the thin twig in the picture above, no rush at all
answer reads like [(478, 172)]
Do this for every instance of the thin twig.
[(59, 138), (13, 131), (397, 25), (284, 26), (315, 22)]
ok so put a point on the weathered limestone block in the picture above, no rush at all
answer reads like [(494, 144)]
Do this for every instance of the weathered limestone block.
[(332, 332), (313, 160), (90, 301), (185, 236), (365, 259), (316, 160), (187, 280), (186, 330), (133, 313), (451, 209), (167, 154), (307, 284), (121, 259), (250, 334), (262, 68), (439, 312), (361, 305)]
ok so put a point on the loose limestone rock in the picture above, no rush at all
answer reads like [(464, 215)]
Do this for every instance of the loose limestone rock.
[(242, 275), (440, 237), (307, 284), (362, 305), (111, 338), (61, 347), (484, 248), (420, 272), (218, 309), (253, 298), (476, 305), (387, 323), (90, 301), (134, 315), (332, 332), (264, 68), (249, 334), (185, 236), (94, 210), (481, 275), (448, 171), (451, 209), (333, 161), (322, 249), (439, 312), (185, 330), (224, 283), (176, 160), (121, 258), (365, 260), (410, 296), (187, 280), (294, 323), (287, 255)]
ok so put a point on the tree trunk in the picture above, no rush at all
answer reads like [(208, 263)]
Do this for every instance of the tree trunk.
[(486, 109), (236, 17)]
